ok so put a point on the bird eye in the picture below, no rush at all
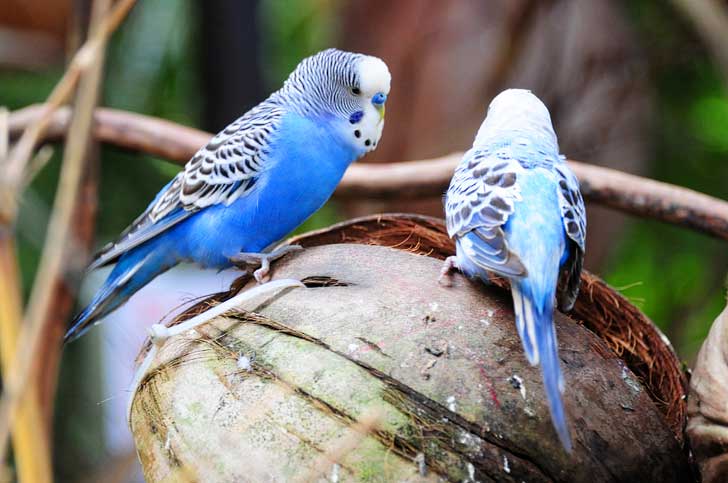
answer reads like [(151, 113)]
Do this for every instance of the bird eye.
[(356, 91)]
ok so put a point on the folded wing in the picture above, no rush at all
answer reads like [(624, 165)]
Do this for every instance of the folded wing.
[(224, 170), (480, 199), (573, 215)]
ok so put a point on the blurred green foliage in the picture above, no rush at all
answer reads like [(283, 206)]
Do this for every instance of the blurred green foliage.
[(680, 274), (293, 30)]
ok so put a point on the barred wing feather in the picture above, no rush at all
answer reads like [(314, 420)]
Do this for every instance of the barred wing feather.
[(573, 215), (480, 199), (220, 172)]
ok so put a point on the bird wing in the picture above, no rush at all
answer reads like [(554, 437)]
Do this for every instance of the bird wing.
[(220, 172), (573, 214), (480, 199)]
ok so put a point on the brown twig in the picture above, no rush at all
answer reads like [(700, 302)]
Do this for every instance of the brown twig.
[(76, 252), (20, 154), (30, 440), (415, 179), (87, 63), (648, 198), (622, 191), (135, 132), (86, 16)]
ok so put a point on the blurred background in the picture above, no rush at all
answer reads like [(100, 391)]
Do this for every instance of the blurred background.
[(632, 85)]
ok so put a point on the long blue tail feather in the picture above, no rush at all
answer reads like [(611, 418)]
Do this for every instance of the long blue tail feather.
[(534, 319), (133, 271)]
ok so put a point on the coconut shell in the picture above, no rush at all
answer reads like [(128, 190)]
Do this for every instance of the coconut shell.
[(377, 373), (708, 404)]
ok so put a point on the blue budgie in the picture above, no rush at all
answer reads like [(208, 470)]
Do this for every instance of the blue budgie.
[(514, 208), (255, 181)]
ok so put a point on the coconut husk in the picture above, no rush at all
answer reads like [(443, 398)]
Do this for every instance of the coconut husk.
[(708, 404), (377, 373), (623, 327)]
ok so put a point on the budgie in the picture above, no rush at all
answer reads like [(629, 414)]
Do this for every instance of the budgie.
[(255, 181), (514, 208)]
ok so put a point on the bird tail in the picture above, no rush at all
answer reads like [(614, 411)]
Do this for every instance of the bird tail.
[(534, 309), (133, 271)]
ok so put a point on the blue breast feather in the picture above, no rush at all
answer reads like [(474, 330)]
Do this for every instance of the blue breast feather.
[(307, 161)]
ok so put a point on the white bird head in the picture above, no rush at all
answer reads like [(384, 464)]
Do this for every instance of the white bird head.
[(516, 111)]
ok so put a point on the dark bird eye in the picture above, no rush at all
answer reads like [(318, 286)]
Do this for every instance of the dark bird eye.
[(356, 91)]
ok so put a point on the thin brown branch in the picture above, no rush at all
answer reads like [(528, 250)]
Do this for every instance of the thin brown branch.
[(413, 179), (4, 132), (128, 130), (648, 198), (86, 17), (21, 153), (88, 63), (76, 252), (30, 440)]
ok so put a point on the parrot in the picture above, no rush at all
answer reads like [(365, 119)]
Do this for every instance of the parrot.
[(514, 208), (254, 182)]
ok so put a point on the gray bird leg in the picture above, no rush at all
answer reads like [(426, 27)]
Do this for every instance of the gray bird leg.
[(450, 265), (263, 260)]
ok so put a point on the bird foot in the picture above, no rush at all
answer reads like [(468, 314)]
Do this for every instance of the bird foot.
[(263, 260), (158, 334), (450, 265)]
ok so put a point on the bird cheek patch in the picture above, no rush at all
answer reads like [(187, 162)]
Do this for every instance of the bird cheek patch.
[(356, 117)]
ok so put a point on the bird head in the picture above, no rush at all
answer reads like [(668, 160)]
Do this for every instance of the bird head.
[(513, 111), (348, 87)]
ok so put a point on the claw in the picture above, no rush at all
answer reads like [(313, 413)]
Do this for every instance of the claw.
[(262, 275), (449, 266), (264, 260)]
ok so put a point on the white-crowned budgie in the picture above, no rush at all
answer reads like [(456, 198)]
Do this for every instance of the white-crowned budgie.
[(255, 181), (514, 208)]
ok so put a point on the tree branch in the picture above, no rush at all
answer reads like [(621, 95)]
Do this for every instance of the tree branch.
[(414, 179), (86, 68), (15, 165)]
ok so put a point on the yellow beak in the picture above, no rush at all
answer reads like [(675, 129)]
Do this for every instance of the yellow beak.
[(381, 110)]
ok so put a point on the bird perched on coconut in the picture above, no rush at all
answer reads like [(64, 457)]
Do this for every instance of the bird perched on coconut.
[(514, 208), (254, 182)]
